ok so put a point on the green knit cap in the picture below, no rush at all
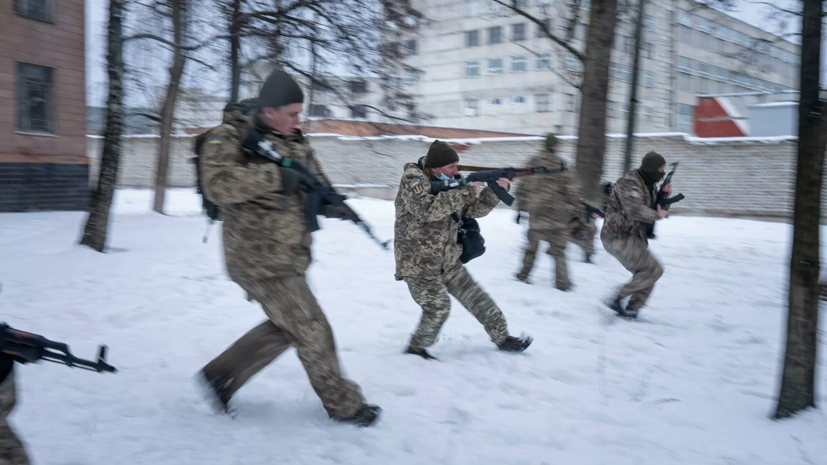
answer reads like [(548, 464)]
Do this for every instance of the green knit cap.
[(551, 141), (440, 154)]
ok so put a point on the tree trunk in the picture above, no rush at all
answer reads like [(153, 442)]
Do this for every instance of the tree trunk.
[(235, 49), (591, 143), (94, 233), (798, 379), (179, 12)]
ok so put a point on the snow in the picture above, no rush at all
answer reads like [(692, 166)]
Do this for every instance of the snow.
[(775, 104), (692, 382)]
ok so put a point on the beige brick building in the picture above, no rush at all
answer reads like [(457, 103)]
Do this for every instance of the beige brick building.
[(43, 163)]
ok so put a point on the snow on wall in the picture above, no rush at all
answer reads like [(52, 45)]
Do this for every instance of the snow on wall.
[(742, 176)]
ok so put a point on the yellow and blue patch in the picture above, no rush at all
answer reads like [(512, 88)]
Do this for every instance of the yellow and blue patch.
[(414, 182), (214, 141)]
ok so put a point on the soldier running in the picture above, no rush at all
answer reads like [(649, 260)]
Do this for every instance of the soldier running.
[(428, 255)]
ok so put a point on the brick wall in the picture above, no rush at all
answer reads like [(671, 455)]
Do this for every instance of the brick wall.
[(59, 45), (734, 178)]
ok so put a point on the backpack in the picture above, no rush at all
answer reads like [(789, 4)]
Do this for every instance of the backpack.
[(209, 208)]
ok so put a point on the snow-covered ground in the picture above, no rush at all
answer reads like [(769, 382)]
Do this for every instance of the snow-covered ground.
[(692, 382)]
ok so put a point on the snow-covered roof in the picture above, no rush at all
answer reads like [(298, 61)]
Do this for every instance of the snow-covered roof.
[(774, 104)]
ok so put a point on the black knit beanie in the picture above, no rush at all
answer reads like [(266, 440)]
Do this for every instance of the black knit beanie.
[(650, 167), (440, 154), (280, 89)]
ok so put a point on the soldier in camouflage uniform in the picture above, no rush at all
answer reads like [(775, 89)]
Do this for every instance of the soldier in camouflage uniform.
[(628, 217), (428, 255), (11, 449), (554, 208), (267, 252)]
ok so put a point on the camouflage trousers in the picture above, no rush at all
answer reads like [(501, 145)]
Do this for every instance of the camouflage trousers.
[(433, 298), (557, 240), (583, 235), (11, 449), (633, 254), (296, 320)]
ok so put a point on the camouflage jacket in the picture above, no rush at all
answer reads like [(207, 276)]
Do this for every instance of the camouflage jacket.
[(630, 212), (552, 201), (425, 233), (265, 230)]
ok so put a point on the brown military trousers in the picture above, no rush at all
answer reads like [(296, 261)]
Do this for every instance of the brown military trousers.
[(583, 235), (633, 254), (557, 241), (11, 449), (296, 320)]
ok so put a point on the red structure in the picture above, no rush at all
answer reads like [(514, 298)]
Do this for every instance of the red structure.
[(717, 117)]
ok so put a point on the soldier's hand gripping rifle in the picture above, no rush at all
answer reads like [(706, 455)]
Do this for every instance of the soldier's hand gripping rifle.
[(319, 194), (490, 177), (662, 200), (26, 347), (590, 210)]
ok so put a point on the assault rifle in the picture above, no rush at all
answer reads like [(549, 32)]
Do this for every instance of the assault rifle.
[(26, 347), (490, 177), (590, 210), (662, 200), (319, 195)]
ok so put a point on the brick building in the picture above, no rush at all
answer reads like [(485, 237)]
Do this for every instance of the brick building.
[(43, 162)]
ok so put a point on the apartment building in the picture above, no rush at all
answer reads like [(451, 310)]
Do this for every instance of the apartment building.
[(43, 163), (481, 66)]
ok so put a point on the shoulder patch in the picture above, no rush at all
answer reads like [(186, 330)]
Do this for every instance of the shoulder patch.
[(414, 182), (214, 141), (635, 186)]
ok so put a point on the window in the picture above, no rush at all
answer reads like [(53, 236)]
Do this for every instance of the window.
[(703, 85), (40, 10), (495, 7), (580, 31), (472, 38), (572, 63), (543, 62), (648, 22), (703, 68), (518, 64), (685, 35), (684, 64), (624, 108), (685, 118), (544, 2), (570, 103), (495, 101), (359, 87), (472, 68), (518, 99), (319, 110), (520, 3), (34, 99), (649, 78), (518, 32), (318, 87), (548, 24), (629, 45), (649, 50), (647, 114), (413, 48), (685, 18), (685, 82), (584, 4), (472, 7), (495, 35), (472, 107), (542, 104), (412, 77), (611, 110), (358, 111), (495, 66), (619, 72)]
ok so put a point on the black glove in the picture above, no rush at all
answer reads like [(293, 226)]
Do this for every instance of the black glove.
[(519, 217), (291, 180), (341, 212)]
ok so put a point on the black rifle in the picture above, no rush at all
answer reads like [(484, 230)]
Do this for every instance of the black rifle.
[(319, 195), (662, 200), (592, 210), (26, 347), (490, 176)]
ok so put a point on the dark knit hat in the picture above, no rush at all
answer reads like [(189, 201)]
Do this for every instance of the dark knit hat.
[(551, 141), (280, 89), (652, 162), (440, 154)]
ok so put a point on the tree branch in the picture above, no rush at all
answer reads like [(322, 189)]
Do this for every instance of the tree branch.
[(776, 7), (580, 56), (551, 68)]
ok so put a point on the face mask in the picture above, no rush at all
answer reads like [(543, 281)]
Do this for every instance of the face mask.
[(443, 177)]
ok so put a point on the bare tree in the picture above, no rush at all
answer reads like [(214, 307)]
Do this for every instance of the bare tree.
[(798, 379), (94, 233)]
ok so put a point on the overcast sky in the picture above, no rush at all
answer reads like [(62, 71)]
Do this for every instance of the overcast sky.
[(96, 14)]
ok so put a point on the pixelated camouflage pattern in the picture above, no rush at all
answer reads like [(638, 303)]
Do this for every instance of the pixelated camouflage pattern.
[(557, 241), (630, 212), (265, 229), (425, 234), (552, 201), (633, 253), (433, 298), (11, 449), (296, 320)]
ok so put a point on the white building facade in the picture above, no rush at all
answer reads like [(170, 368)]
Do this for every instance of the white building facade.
[(484, 67)]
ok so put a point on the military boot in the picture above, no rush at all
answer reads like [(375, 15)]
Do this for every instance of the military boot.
[(515, 344), (216, 389), (367, 415), (421, 352)]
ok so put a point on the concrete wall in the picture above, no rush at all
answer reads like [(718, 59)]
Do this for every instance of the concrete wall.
[(745, 177)]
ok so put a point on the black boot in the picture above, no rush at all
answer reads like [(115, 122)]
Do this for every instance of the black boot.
[(367, 415), (216, 389), (617, 306), (515, 344), (421, 352), (588, 257)]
